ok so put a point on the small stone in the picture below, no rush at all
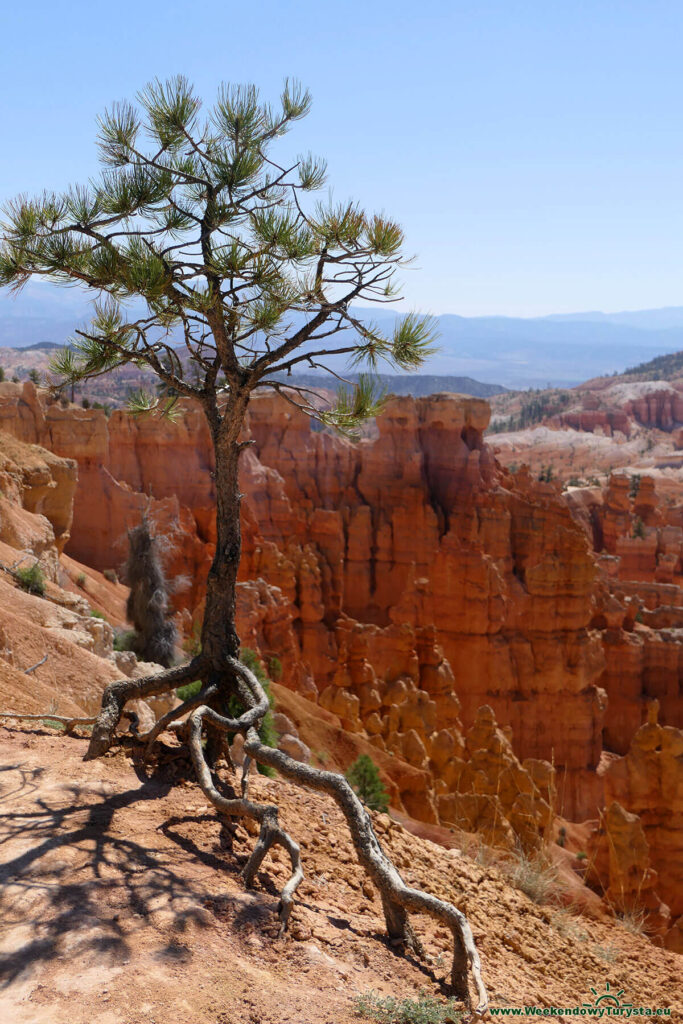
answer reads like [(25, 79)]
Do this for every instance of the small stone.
[(295, 748)]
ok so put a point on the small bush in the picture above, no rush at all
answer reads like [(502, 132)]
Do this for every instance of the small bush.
[(633, 920), (124, 641), (568, 927), (110, 574), (275, 669), (606, 953), (52, 723), (32, 579), (80, 579), (95, 614), (2, 374), (638, 528), (535, 876), (189, 690), (85, 402), (363, 775), (389, 1010), (581, 855)]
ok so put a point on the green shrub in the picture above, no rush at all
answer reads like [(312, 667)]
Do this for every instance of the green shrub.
[(363, 775), (32, 579), (638, 528), (110, 574), (581, 855), (95, 614), (189, 690), (275, 669), (52, 723), (80, 579), (124, 641), (2, 374), (389, 1010)]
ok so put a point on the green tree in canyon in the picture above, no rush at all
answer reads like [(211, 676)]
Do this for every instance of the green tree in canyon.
[(211, 263)]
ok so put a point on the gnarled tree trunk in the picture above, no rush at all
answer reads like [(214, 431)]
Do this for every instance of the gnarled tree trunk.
[(223, 675)]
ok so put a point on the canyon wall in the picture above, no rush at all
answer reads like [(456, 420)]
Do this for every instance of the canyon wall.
[(386, 576)]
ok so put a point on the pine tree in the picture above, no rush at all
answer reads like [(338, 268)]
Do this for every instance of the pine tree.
[(363, 775), (210, 264)]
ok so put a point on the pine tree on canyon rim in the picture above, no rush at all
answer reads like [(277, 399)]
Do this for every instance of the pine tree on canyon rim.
[(210, 265)]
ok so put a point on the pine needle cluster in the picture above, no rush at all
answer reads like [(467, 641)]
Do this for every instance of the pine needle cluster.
[(209, 261)]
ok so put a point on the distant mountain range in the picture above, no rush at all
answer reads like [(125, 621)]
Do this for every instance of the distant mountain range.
[(415, 384), (560, 350)]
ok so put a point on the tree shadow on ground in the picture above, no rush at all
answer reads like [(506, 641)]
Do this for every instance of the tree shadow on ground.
[(73, 883)]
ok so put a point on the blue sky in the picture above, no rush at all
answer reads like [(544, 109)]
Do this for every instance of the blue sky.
[(532, 150)]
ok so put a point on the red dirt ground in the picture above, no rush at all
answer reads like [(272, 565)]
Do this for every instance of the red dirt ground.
[(122, 904)]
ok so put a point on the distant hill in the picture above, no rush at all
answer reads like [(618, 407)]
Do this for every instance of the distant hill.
[(115, 386), (561, 350), (661, 368), (415, 384)]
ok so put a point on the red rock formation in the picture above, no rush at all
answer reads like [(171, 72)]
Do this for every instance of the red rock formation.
[(369, 547), (648, 782), (619, 866)]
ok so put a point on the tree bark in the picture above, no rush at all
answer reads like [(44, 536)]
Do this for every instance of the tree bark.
[(219, 636), (223, 675)]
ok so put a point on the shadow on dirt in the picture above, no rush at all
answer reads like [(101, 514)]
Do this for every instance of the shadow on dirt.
[(72, 882)]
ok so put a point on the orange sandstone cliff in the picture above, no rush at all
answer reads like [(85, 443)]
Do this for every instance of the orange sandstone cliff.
[(388, 577)]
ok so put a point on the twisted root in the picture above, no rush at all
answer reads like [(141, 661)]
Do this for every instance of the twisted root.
[(398, 899)]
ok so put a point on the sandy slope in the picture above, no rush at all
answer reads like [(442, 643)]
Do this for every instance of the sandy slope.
[(122, 905)]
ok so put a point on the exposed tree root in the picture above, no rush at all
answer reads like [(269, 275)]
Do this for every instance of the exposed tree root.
[(117, 694), (206, 693), (398, 899), (271, 833)]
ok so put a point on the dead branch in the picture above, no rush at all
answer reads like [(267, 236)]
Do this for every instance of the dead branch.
[(27, 671), (69, 723)]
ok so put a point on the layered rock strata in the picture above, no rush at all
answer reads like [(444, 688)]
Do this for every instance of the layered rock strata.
[(413, 529)]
